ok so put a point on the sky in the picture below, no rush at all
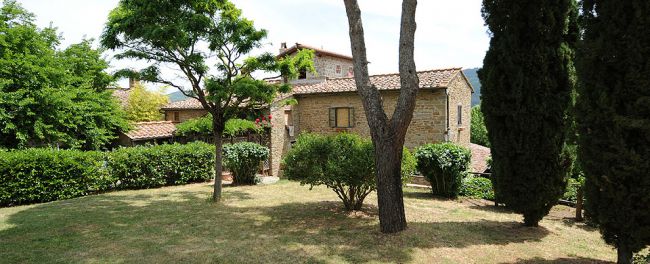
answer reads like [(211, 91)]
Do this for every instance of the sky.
[(449, 33)]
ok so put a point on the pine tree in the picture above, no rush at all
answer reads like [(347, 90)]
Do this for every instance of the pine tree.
[(527, 78), (614, 120)]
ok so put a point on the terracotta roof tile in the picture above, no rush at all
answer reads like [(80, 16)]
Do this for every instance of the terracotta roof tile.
[(318, 51), (122, 95), (480, 154), (189, 103), (152, 130), (431, 79), (440, 78)]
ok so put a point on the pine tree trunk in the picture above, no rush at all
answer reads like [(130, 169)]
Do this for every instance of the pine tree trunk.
[(218, 167), (388, 160), (624, 255), (387, 134), (579, 202)]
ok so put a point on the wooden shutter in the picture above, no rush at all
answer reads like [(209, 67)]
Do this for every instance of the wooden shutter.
[(352, 120), (332, 117)]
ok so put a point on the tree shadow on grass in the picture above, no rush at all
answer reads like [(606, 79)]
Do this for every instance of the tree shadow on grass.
[(571, 222), (576, 260), (183, 227), (424, 194)]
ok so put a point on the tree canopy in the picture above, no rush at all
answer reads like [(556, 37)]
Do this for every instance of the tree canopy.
[(527, 79), (144, 105), (613, 116), (50, 97), (208, 43)]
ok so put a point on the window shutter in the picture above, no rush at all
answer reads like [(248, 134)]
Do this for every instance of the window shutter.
[(332, 117), (352, 120)]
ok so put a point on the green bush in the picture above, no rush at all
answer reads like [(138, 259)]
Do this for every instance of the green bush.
[(445, 166), (477, 187), (196, 127), (243, 160), (343, 163), (201, 127), (240, 127), (43, 175), (148, 167)]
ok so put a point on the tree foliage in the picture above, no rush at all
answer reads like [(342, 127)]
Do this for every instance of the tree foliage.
[(144, 105), (614, 120), (207, 42), (527, 79), (343, 163), (478, 134), (50, 97)]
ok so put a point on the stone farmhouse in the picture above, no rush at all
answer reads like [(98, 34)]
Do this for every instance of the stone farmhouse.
[(328, 104)]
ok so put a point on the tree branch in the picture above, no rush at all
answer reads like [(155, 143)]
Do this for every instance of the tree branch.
[(408, 74), (372, 102)]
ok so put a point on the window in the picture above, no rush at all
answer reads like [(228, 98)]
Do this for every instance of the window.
[(341, 117), (350, 72), (460, 115), (303, 74), (177, 117), (338, 69)]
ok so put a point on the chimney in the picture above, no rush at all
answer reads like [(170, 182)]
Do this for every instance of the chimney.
[(133, 82), (283, 47)]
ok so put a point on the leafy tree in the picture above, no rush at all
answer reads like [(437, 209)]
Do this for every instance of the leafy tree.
[(49, 97), (387, 133), (190, 36), (144, 105), (527, 79), (614, 121), (479, 132)]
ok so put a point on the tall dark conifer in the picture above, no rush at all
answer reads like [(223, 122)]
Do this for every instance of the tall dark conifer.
[(614, 120), (527, 78)]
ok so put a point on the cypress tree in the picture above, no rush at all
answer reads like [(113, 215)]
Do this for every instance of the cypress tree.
[(614, 120), (527, 79)]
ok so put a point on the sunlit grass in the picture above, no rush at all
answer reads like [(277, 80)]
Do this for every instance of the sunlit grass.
[(282, 223)]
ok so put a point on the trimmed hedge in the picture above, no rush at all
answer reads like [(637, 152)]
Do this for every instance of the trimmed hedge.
[(243, 160), (149, 167), (445, 165), (43, 175)]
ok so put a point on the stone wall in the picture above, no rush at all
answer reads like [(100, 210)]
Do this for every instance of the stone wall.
[(326, 67), (460, 94), (279, 138), (184, 114), (428, 124)]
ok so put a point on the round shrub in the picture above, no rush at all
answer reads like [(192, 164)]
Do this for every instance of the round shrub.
[(243, 160), (444, 165), (343, 163), (477, 187)]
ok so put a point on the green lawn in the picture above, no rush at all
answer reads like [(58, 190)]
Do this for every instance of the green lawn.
[(282, 223)]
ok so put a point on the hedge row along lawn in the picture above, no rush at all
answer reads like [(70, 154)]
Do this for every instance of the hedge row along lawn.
[(283, 223)]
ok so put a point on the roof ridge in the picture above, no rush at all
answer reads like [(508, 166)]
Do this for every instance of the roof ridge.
[(397, 73), (153, 122)]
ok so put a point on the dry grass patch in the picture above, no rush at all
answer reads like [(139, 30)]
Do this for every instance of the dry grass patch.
[(282, 223)]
